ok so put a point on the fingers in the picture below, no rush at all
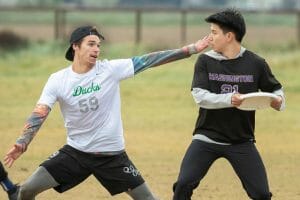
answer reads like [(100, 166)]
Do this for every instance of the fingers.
[(206, 38), (236, 99), (276, 103), (202, 44), (12, 155), (8, 161)]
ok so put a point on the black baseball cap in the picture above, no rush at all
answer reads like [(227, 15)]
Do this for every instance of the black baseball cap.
[(77, 35)]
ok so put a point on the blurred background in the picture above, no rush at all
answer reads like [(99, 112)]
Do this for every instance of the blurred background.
[(162, 22), (158, 111)]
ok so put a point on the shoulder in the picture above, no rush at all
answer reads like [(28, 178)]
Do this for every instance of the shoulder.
[(61, 72), (205, 56), (204, 60), (58, 77), (112, 63), (253, 57)]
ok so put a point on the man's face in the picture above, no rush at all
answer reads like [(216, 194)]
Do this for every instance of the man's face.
[(218, 39), (89, 49)]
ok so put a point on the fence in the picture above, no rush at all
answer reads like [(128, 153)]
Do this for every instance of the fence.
[(60, 13)]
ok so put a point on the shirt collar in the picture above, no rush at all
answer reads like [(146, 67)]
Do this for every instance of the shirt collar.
[(219, 56)]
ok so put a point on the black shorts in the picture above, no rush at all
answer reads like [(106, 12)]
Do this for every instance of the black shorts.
[(3, 173), (69, 167)]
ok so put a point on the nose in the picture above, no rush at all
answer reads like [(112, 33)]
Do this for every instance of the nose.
[(97, 49)]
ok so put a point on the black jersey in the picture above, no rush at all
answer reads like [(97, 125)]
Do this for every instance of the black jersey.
[(245, 74)]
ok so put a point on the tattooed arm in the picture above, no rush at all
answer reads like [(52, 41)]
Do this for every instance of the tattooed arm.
[(30, 129), (141, 63)]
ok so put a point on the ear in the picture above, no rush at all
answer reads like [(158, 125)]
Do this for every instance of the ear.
[(230, 36), (75, 46)]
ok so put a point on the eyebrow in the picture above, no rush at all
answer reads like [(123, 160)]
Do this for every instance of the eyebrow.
[(93, 41)]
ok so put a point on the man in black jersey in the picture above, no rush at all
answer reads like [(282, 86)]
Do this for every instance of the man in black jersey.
[(220, 77)]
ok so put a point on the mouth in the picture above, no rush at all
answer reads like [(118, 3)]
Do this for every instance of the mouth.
[(93, 58)]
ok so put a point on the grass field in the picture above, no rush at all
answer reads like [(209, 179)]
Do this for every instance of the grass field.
[(159, 116)]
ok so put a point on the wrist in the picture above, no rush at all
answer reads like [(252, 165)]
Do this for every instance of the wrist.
[(22, 145), (192, 49)]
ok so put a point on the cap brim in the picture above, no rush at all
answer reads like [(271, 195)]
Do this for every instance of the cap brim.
[(69, 54)]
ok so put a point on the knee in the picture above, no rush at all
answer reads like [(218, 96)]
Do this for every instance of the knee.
[(184, 185), (150, 197), (26, 192), (146, 196), (184, 190), (265, 196)]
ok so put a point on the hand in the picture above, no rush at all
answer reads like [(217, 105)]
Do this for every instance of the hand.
[(200, 45), (236, 99), (13, 154), (276, 103)]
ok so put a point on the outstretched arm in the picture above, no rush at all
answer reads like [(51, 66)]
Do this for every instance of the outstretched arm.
[(30, 129), (143, 62)]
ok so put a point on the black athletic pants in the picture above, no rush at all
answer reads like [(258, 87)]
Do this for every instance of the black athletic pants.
[(243, 157), (3, 173)]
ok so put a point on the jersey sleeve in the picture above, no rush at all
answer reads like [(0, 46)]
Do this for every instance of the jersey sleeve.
[(49, 93), (121, 68), (267, 81), (200, 79)]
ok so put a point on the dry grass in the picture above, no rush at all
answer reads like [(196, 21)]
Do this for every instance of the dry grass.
[(159, 116)]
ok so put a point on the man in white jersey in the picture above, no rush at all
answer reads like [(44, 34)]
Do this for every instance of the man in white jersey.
[(89, 97)]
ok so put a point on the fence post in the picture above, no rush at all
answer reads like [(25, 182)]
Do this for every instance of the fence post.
[(183, 27), (59, 23), (138, 26), (56, 24)]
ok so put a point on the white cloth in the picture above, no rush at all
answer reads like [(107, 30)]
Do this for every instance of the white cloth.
[(90, 104), (209, 100)]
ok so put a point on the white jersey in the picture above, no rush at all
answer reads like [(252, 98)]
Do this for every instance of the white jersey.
[(90, 104)]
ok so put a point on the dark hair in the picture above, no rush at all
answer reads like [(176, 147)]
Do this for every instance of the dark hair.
[(229, 20)]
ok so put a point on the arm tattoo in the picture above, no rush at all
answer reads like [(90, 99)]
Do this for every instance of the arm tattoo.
[(33, 124), (143, 62)]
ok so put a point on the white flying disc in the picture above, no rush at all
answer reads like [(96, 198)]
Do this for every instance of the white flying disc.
[(256, 100)]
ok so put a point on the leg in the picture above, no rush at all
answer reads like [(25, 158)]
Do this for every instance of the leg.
[(39, 181), (117, 174), (248, 165), (141, 192), (3, 173), (60, 171), (11, 189), (196, 162)]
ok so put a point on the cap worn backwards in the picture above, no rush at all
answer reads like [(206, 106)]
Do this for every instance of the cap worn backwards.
[(77, 35)]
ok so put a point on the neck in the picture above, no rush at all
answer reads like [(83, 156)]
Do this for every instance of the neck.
[(232, 50), (80, 67)]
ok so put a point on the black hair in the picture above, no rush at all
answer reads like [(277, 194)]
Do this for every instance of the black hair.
[(229, 20)]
